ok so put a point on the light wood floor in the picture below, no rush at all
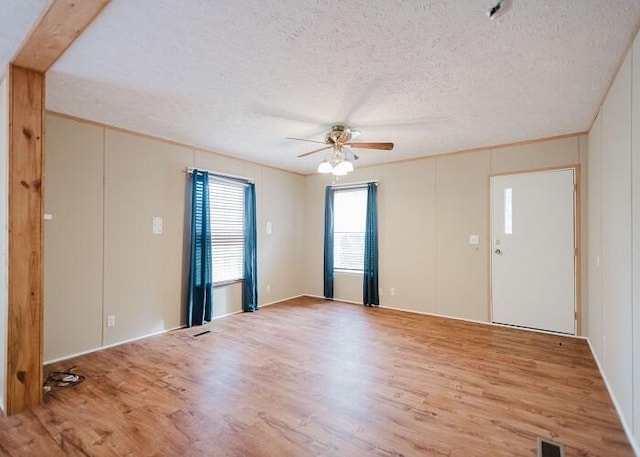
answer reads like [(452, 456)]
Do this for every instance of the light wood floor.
[(327, 379)]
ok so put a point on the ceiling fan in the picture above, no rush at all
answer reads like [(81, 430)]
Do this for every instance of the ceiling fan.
[(338, 140)]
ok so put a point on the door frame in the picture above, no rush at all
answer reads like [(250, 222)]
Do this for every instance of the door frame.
[(577, 226)]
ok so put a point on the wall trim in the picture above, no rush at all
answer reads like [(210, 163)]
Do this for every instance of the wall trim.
[(165, 140), (119, 343), (445, 316), (616, 405), (235, 157), (108, 346), (351, 302), (473, 321), (130, 340), (281, 301), (479, 149), (614, 75)]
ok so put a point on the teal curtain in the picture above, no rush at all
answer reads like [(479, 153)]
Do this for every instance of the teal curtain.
[(328, 242), (250, 283), (200, 304), (370, 273)]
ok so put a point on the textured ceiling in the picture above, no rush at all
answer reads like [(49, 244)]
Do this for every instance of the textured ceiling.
[(16, 18), (432, 76)]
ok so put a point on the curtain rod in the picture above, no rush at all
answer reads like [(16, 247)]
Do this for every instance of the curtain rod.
[(356, 184), (190, 171)]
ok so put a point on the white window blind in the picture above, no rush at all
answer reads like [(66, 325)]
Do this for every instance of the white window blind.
[(350, 218), (226, 199)]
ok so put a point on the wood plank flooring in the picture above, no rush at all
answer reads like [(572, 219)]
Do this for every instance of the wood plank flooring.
[(316, 378)]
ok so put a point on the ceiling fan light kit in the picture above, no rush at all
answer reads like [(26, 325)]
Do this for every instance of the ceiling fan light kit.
[(325, 167), (337, 162)]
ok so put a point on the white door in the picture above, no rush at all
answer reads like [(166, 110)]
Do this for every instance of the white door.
[(533, 250)]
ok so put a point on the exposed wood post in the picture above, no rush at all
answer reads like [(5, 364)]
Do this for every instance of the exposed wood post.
[(60, 24), (26, 132)]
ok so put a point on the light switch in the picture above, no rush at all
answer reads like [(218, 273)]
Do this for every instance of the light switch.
[(474, 239), (157, 225), (269, 227)]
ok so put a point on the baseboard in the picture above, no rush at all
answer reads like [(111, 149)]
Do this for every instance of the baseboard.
[(627, 429), (351, 302), (580, 337), (112, 345), (89, 351), (423, 313), (282, 300)]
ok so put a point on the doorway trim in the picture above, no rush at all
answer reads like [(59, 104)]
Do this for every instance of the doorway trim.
[(577, 228)]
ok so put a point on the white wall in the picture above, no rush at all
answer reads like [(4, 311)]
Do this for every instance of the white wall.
[(635, 199), (4, 195), (427, 210), (594, 273), (614, 244), (103, 187)]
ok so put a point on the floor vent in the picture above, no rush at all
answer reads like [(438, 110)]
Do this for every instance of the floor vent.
[(201, 333), (549, 449)]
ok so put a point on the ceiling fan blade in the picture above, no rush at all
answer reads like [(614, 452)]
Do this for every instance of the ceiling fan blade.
[(314, 151), (308, 141), (381, 146)]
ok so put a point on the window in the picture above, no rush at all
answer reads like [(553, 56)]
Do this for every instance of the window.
[(350, 219), (226, 199)]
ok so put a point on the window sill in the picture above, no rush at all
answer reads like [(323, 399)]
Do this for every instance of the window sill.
[(348, 272), (226, 283)]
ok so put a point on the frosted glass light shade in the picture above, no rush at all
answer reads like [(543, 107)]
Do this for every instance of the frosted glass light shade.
[(343, 168), (325, 167)]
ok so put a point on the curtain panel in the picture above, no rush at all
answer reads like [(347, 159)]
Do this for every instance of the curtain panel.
[(370, 271), (200, 302), (328, 242), (250, 270)]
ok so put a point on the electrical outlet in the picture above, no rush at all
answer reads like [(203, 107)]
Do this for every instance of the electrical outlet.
[(474, 239), (392, 291), (268, 288), (111, 321)]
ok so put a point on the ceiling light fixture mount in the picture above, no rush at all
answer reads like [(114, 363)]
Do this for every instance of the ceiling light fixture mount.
[(500, 9)]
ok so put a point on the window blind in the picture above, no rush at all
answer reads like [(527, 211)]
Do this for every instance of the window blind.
[(226, 199), (350, 218)]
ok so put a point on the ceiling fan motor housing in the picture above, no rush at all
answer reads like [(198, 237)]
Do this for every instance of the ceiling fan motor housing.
[(337, 131)]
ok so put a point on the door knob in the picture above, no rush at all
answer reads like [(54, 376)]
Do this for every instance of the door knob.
[(498, 251)]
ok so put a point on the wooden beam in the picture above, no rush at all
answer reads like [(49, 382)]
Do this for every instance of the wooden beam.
[(26, 130), (60, 24)]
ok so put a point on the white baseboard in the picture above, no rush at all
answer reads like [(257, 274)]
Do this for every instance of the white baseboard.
[(281, 300), (341, 300), (423, 313), (107, 346), (474, 321), (627, 429)]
